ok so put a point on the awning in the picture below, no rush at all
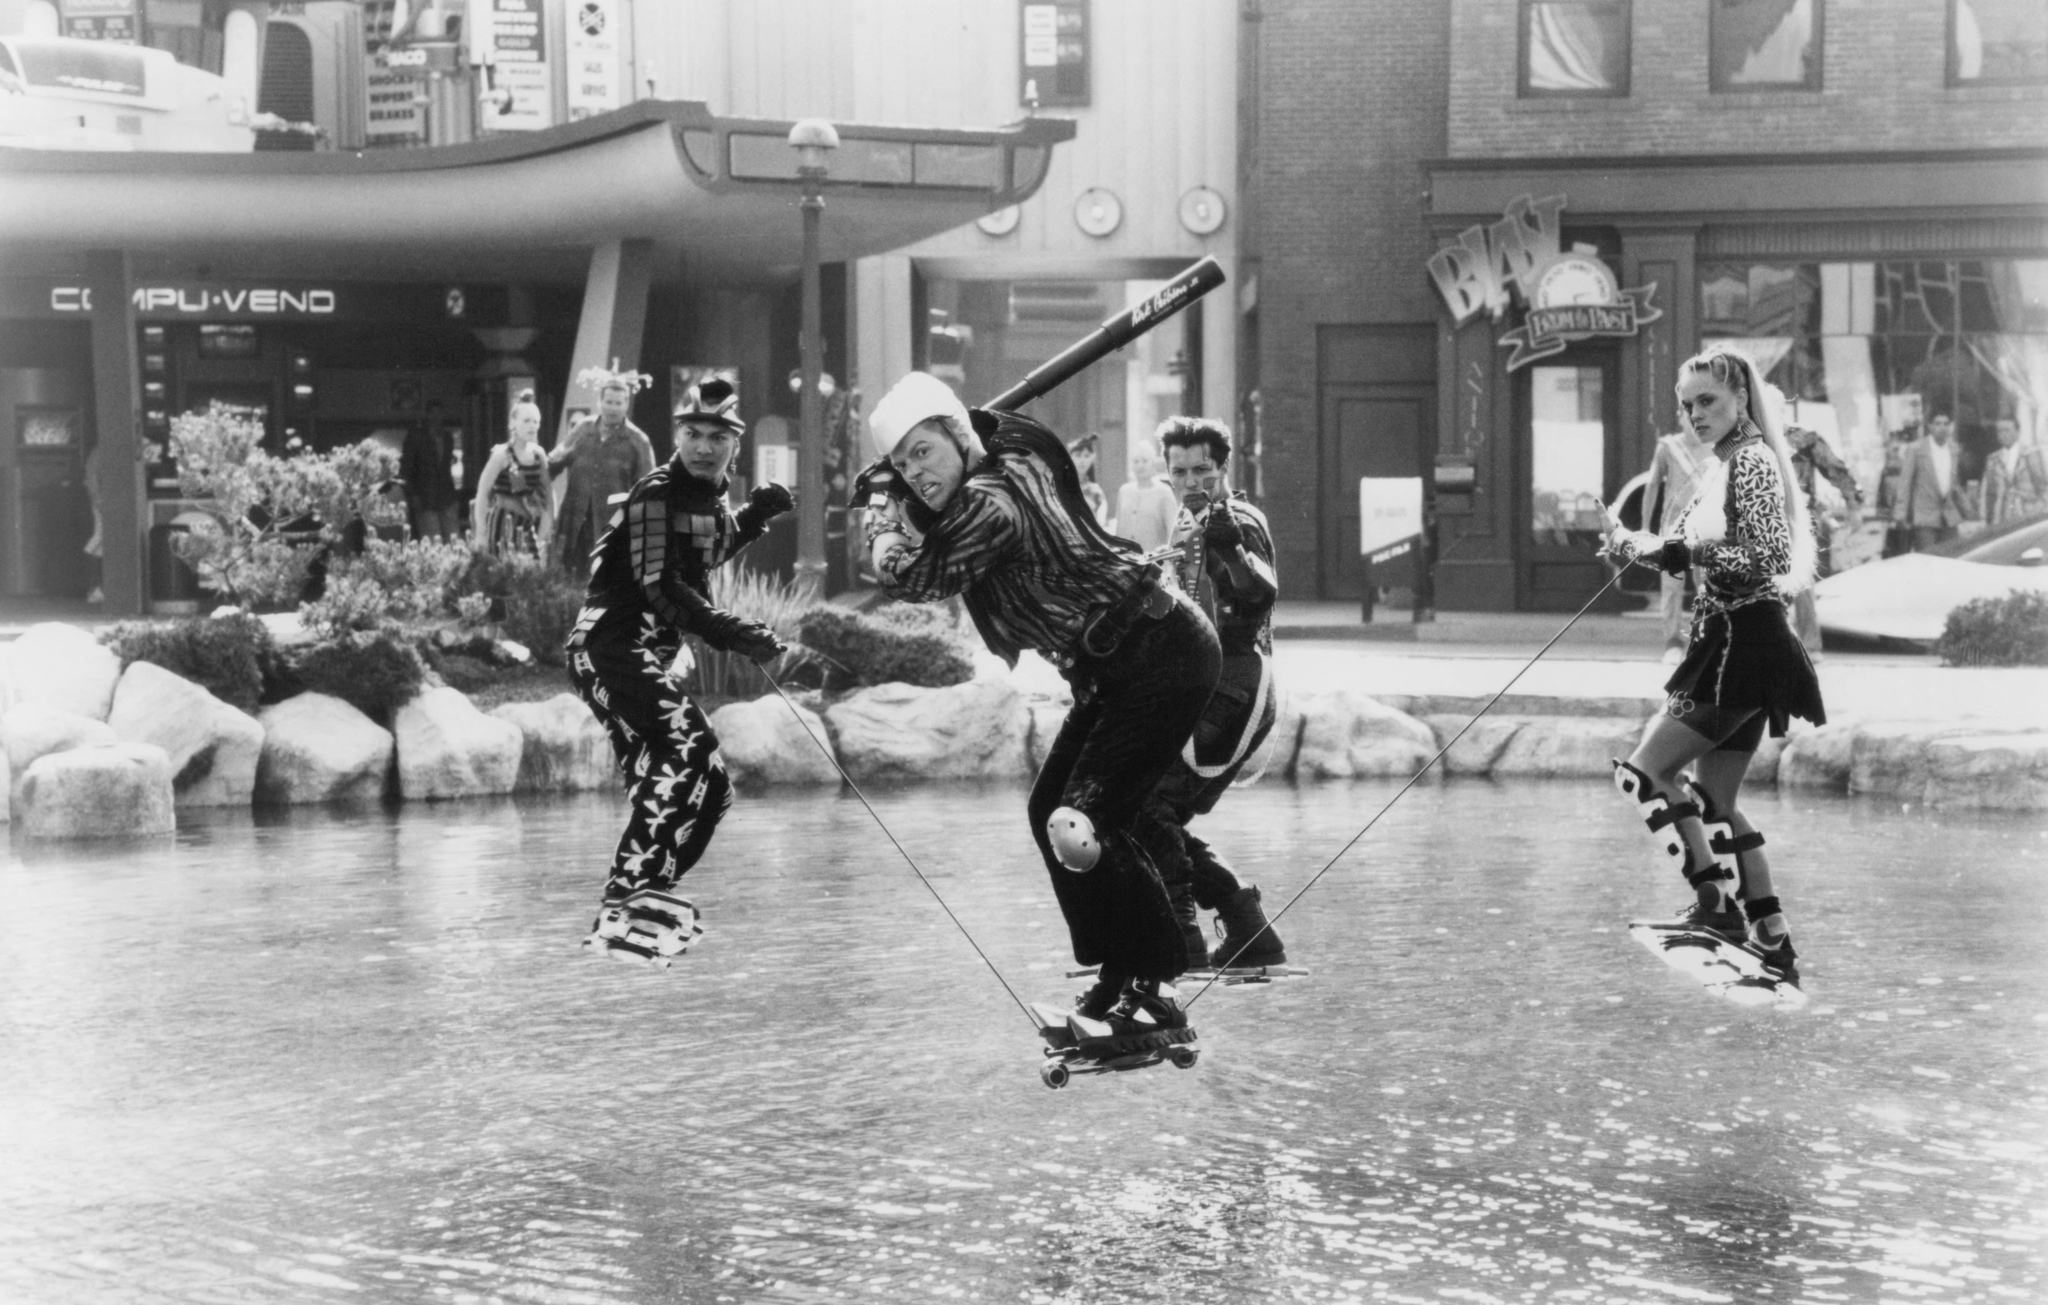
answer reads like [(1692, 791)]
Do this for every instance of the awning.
[(717, 196)]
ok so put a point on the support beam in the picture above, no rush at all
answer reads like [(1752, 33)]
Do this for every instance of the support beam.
[(1220, 326), (614, 318), (117, 406), (881, 296)]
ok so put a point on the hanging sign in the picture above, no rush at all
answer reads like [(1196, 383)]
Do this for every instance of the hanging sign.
[(593, 58), (100, 20), (1567, 294), (521, 95)]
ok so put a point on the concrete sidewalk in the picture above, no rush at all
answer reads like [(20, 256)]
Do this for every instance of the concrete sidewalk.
[(1876, 687)]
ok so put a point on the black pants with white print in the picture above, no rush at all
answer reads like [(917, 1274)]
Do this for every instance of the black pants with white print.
[(675, 778)]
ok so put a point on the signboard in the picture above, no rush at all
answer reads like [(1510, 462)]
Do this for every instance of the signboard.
[(593, 58), (100, 20), (62, 298), (520, 95), (1389, 515), (1567, 294), (394, 100), (1055, 44)]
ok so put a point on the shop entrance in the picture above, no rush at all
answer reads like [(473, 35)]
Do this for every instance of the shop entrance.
[(1567, 416), (44, 422), (1378, 418)]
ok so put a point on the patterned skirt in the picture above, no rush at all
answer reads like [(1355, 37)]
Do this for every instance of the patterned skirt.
[(512, 525)]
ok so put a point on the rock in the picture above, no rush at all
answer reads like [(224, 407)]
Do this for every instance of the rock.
[(34, 729), (449, 749), (763, 741), (563, 749), (1818, 758), (6, 787), (1890, 757), (1481, 746), (317, 748), (1046, 719), (1347, 734), (213, 747), (976, 730), (110, 790), (2007, 772), (62, 666), (1580, 747)]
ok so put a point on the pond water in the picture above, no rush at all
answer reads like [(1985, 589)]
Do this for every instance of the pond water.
[(359, 1056)]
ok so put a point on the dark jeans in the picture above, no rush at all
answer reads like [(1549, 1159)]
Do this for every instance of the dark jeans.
[(1236, 720), (1133, 710)]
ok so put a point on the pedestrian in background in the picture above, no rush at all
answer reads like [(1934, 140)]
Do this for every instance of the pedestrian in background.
[(1084, 451), (1813, 458), (514, 512), (1930, 499), (1145, 506), (604, 456), (1674, 478), (2015, 482), (426, 465)]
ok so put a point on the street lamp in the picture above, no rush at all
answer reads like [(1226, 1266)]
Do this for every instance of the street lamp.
[(812, 139)]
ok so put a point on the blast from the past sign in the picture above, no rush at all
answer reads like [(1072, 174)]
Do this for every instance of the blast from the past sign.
[(1389, 515)]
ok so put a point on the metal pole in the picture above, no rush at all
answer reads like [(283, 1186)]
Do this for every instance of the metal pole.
[(810, 458)]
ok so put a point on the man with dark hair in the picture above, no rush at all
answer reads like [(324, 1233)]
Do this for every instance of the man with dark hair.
[(988, 506), (1930, 501), (426, 465), (1226, 565), (649, 587)]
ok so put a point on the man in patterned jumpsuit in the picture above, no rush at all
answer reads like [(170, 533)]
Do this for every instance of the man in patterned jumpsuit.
[(648, 588)]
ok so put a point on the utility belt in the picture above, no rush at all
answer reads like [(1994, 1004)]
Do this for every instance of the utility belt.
[(1110, 624)]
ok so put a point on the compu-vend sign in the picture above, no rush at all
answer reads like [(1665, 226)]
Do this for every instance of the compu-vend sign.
[(1566, 294)]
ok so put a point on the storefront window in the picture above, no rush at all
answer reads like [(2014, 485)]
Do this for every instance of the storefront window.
[(1567, 454), (1864, 353), (1997, 42), (1575, 47), (1764, 45)]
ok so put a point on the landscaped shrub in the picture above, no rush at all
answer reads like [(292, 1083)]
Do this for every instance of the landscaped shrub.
[(229, 655), (376, 673), (2008, 631), (916, 649), (541, 612)]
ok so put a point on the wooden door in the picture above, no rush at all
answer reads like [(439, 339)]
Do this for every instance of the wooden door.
[(1368, 430), (1566, 430)]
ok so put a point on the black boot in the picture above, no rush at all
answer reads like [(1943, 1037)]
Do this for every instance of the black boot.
[(1248, 939), (1146, 1006), (1101, 996)]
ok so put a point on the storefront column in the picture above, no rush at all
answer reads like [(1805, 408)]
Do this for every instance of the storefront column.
[(614, 318), (1663, 255), (882, 329), (117, 406), (1475, 569)]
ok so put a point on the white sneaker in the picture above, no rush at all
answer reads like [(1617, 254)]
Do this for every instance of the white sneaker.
[(651, 926)]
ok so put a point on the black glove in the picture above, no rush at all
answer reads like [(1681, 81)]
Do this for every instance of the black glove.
[(747, 638), (770, 500), (1221, 533)]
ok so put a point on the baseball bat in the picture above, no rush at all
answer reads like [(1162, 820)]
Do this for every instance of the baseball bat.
[(1113, 334)]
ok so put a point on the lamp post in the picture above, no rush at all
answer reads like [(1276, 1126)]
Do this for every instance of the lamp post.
[(812, 139)]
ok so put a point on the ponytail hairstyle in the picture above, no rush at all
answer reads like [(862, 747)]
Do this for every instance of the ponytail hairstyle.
[(1734, 369)]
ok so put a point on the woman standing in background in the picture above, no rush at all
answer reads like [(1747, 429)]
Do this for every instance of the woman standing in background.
[(515, 508)]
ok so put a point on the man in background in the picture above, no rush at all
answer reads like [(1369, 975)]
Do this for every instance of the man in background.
[(1930, 497), (432, 501), (606, 456), (2015, 482)]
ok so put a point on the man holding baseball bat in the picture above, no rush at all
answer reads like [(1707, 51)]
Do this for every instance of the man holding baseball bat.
[(988, 506), (1226, 566)]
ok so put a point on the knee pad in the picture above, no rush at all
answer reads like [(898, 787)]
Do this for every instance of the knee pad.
[(1722, 840), (1659, 813), (1072, 835)]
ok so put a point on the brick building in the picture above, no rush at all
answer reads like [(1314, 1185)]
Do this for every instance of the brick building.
[(1855, 189)]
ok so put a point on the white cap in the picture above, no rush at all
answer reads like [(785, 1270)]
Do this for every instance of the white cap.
[(919, 396)]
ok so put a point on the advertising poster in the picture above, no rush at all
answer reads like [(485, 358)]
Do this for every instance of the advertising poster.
[(524, 94), (593, 57)]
